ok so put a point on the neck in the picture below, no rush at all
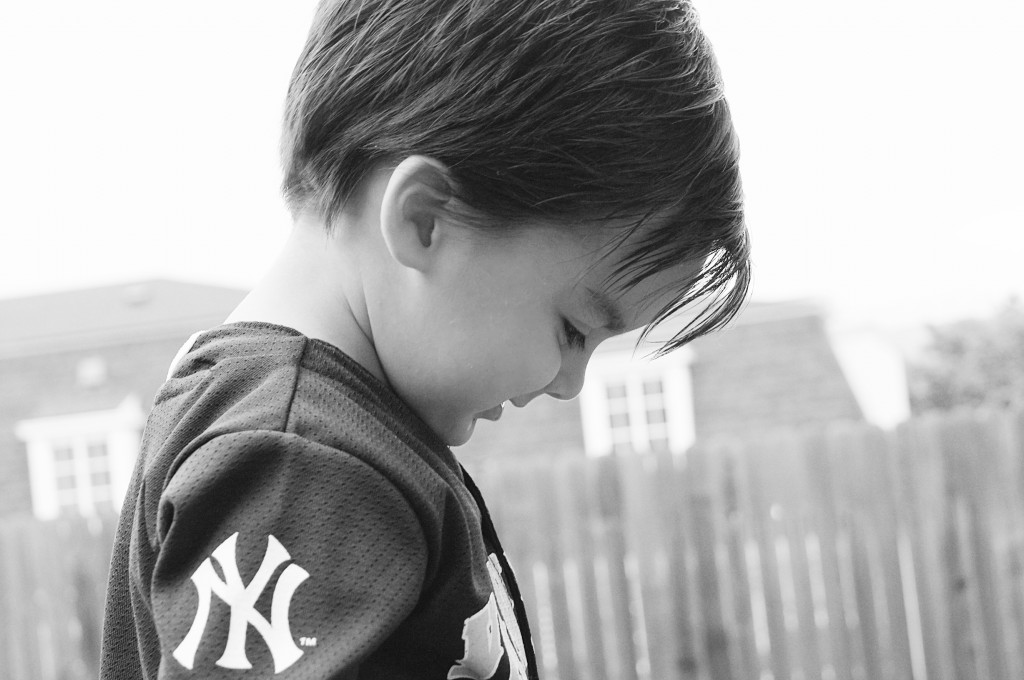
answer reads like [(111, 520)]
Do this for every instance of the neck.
[(314, 288)]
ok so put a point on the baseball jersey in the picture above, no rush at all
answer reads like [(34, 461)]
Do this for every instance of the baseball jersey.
[(290, 517)]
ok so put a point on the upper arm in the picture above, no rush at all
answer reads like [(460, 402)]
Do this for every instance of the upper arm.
[(275, 552)]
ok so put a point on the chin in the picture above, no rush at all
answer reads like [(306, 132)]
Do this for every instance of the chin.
[(457, 435), (450, 429)]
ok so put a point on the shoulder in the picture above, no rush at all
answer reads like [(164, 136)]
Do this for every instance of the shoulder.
[(259, 409), (273, 480)]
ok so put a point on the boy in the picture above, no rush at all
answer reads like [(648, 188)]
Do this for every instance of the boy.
[(483, 191)]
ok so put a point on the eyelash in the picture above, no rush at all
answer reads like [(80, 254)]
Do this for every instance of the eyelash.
[(573, 337)]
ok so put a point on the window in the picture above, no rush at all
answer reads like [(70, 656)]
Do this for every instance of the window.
[(618, 416), (80, 464), (636, 405)]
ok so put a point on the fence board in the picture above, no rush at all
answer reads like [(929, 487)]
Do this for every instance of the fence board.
[(21, 655), (923, 483), (797, 523), (745, 659), (960, 579), (761, 492), (644, 528), (703, 490), (608, 488), (890, 522), (552, 613), (589, 559), (1010, 548), (580, 589), (673, 493), (983, 493), (822, 496)]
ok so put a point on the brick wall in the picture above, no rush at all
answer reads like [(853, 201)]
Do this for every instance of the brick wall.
[(767, 375), (32, 386)]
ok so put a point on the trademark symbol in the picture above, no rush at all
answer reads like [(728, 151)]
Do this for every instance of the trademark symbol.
[(307, 642)]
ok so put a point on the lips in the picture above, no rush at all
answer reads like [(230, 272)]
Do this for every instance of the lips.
[(493, 413)]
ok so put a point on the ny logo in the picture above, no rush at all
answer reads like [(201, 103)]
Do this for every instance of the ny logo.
[(242, 600)]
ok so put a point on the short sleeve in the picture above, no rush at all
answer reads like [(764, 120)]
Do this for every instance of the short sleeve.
[(281, 558)]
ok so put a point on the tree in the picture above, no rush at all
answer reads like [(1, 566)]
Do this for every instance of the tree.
[(976, 362)]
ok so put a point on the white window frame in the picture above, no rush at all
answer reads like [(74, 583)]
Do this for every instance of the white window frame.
[(620, 366), (119, 429)]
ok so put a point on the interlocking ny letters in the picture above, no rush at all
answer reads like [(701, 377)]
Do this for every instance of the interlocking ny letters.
[(242, 600)]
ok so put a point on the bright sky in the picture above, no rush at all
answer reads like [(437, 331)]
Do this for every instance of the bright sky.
[(882, 145)]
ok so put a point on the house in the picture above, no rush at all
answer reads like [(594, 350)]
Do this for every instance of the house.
[(78, 371)]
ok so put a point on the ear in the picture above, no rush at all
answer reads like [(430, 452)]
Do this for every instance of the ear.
[(411, 209)]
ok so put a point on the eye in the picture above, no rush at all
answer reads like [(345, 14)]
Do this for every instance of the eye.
[(573, 337)]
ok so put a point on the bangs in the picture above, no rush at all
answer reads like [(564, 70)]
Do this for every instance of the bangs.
[(717, 292), (714, 296)]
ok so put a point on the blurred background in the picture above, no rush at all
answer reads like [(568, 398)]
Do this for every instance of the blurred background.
[(831, 488)]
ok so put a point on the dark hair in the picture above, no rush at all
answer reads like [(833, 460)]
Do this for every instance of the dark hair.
[(554, 110)]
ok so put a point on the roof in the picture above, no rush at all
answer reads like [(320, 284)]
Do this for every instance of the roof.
[(106, 315), (752, 313)]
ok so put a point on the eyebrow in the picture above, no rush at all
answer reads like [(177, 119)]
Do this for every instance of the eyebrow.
[(607, 309)]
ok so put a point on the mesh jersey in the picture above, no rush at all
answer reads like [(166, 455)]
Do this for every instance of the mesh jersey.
[(290, 517)]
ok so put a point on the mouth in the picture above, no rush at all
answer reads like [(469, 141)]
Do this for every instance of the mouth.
[(493, 413)]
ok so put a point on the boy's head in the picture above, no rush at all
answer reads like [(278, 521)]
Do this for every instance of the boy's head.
[(601, 121)]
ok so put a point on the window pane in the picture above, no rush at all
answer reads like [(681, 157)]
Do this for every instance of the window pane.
[(63, 453), (656, 416), (616, 391), (659, 444), (652, 387), (97, 450), (65, 482), (100, 478), (619, 420)]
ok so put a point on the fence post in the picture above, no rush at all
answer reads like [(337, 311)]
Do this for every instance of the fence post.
[(703, 487), (791, 476), (1010, 471), (823, 493), (982, 490), (736, 491), (606, 487), (673, 491), (959, 581), (761, 504)]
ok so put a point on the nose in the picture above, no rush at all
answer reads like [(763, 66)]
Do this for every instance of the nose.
[(569, 382)]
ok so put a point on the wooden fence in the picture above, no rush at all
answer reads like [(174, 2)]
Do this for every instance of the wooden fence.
[(52, 579), (851, 554)]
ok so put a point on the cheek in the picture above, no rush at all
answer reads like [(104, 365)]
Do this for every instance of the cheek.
[(482, 346), (533, 364)]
